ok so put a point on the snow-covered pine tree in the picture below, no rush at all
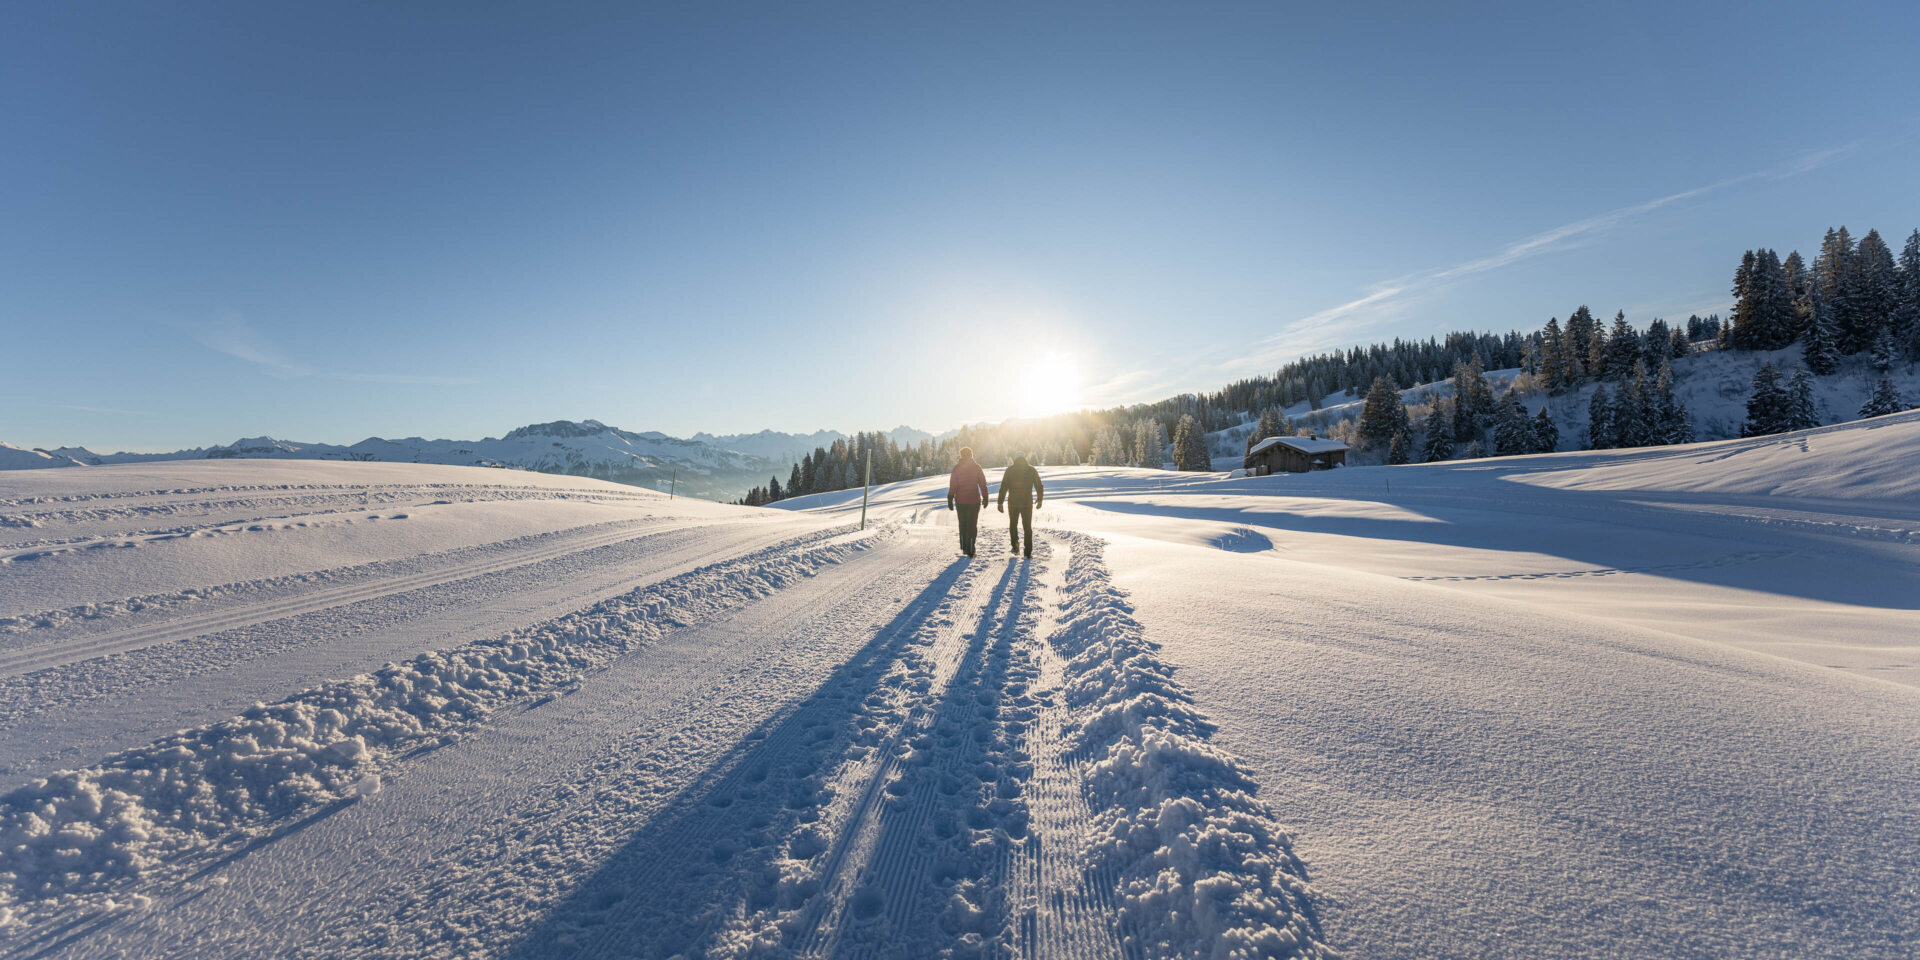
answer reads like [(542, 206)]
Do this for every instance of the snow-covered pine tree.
[(1546, 433), (1400, 448), (1189, 445), (1630, 410), (1439, 436), (1885, 399), (1553, 356), (1793, 270), (1623, 348), (1662, 409), (1774, 302), (1884, 352), (1267, 426), (1743, 300), (1580, 329), (1681, 346), (1906, 317), (1679, 424), (1512, 431), (1801, 413), (1600, 434), (1767, 404), (1833, 274), (793, 479), (1472, 399), (1875, 290), (1820, 343), (1383, 415), (1597, 353), (1657, 342)]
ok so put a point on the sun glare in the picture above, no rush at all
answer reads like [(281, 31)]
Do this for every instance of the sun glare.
[(1050, 385)]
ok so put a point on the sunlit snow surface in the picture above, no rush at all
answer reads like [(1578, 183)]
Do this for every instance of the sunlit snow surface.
[(1655, 703)]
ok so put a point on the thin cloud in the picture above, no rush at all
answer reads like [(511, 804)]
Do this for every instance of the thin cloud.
[(235, 337), (404, 378), (111, 411), (1309, 333)]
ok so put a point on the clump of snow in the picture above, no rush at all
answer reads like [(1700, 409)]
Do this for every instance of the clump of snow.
[(79, 835), (1204, 868)]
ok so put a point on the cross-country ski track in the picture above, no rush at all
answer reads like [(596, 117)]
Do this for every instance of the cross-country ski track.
[(1555, 708)]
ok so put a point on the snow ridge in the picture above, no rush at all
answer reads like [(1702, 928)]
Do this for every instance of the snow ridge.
[(74, 838), (105, 609), (1204, 868)]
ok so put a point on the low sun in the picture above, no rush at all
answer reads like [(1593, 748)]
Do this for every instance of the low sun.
[(1050, 385)]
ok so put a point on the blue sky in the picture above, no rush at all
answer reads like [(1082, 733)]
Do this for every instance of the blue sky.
[(325, 222)]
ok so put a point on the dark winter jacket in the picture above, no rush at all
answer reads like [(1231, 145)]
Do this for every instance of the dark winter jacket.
[(1022, 482)]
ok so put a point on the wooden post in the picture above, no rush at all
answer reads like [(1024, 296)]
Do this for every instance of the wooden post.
[(865, 486), (674, 482)]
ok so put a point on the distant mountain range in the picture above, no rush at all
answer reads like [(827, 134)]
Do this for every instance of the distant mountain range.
[(718, 468), (790, 447)]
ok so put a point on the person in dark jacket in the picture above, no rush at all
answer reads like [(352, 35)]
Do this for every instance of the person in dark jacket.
[(1021, 483), (968, 488)]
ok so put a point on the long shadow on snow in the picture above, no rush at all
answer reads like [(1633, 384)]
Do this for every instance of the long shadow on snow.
[(716, 844), (1603, 530), (955, 813)]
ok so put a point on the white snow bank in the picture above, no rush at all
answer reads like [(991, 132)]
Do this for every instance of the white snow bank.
[(15, 458), (1862, 460), (78, 835), (1204, 868)]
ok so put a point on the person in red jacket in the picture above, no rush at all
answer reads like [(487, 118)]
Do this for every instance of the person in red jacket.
[(966, 494)]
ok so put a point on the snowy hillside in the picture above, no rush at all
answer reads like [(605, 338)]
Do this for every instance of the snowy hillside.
[(1577, 705), (586, 448), (14, 458), (1713, 385)]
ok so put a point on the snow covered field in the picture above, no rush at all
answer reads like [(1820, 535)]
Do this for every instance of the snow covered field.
[(1661, 703)]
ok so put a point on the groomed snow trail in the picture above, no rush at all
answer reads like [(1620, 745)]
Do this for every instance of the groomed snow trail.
[(839, 746), (72, 842), (24, 657), (212, 665)]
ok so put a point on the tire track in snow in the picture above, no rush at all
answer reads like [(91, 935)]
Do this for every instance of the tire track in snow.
[(920, 861), (1065, 905), (70, 843), (649, 738), (46, 656), (752, 820), (101, 526), (54, 718)]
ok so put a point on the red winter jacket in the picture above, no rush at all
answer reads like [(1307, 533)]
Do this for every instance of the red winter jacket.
[(968, 483)]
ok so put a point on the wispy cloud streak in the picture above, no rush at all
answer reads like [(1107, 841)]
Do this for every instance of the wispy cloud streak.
[(1311, 332), (235, 337)]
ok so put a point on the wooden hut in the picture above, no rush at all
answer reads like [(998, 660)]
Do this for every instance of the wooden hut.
[(1294, 455)]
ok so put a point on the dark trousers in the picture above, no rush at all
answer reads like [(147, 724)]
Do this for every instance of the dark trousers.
[(1018, 513), (969, 525)]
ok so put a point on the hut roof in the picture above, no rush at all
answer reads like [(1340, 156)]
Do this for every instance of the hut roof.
[(1302, 444)]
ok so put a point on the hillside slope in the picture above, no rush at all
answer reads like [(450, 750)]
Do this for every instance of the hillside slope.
[(586, 448)]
